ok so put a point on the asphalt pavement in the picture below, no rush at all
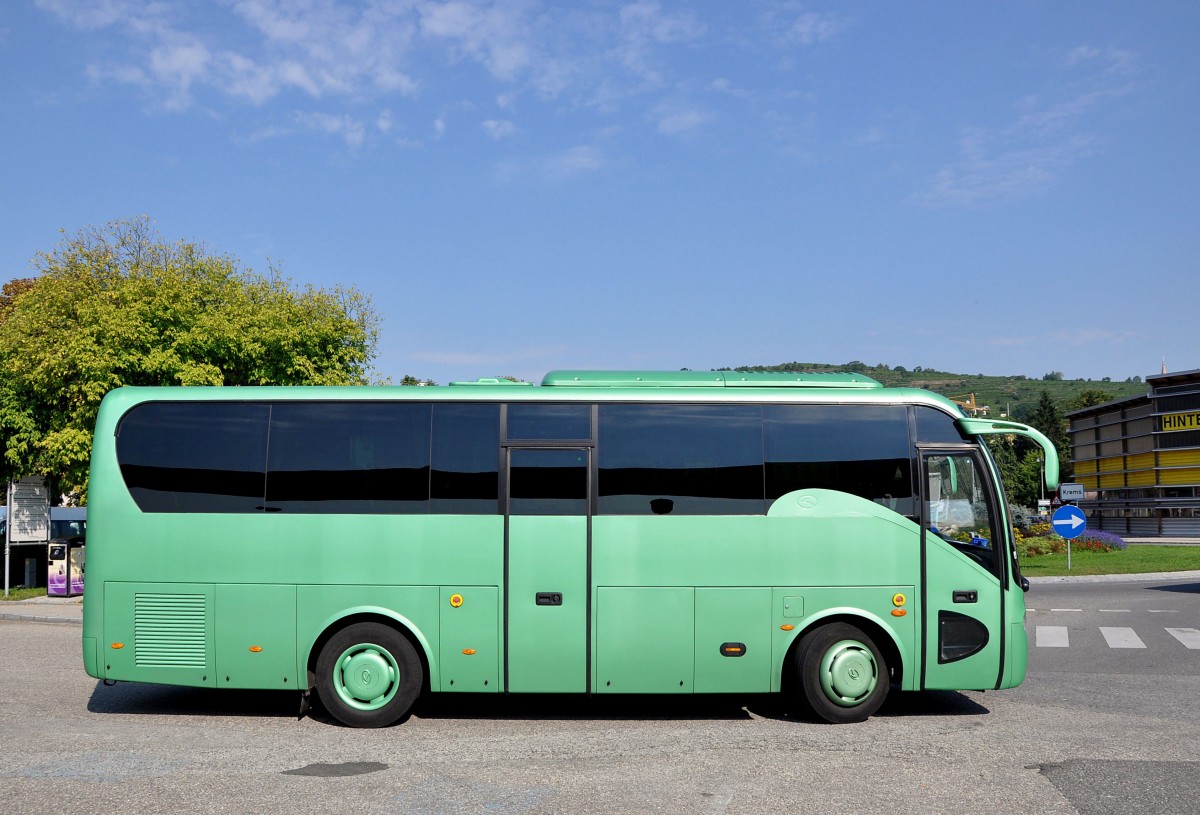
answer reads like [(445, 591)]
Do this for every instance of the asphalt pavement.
[(60, 610)]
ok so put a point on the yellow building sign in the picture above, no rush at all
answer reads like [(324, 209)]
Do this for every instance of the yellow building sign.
[(1181, 421)]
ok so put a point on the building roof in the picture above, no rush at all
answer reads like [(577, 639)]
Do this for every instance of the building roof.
[(1174, 378), (1128, 401)]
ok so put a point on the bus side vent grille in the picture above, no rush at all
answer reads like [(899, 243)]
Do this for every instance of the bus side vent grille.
[(168, 630)]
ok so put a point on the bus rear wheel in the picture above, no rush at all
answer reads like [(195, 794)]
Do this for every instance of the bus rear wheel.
[(368, 675), (840, 674)]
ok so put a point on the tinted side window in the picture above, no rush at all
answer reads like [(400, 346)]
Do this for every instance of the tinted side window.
[(859, 449), (195, 456), (361, 457), (548, 482), (680, 459), (535, 421), (466, 455), (935, 426)]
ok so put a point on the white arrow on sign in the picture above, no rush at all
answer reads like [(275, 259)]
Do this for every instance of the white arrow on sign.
[(1072, 521)]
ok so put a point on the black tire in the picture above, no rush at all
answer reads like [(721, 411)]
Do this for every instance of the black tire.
[(368, 675), (839, 674)]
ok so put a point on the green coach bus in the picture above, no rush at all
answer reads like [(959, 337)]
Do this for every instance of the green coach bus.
[(816, 535)]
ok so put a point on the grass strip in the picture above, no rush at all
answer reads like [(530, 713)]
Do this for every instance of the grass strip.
[(1134, 560)]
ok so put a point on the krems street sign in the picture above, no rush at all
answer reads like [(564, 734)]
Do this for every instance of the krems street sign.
[(1070, 492)]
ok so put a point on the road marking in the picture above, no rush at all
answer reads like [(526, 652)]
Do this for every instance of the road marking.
[(1190, 637), (1115, 610), (1052, 636), (1066, 609), (1122, 638), (1163, 610)]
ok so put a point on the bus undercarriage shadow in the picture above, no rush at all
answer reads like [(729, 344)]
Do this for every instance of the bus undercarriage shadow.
[(931, 703), (535, 707), (171, 700), (168, 700)]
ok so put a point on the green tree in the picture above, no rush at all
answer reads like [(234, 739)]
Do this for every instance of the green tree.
[(1047, 418), (117, 305), (1020, 470), (1088, 398)]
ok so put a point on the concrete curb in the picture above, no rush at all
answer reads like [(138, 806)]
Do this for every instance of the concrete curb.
[(1117, 578), (39, 618)]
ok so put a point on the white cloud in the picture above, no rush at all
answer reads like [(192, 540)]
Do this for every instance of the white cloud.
[(1075, 338), (870, 137), (553, 168), (673, 124), (595, 57), (492, 34), (499, 128), (350, 129), (812, 27), (644, 29), (576, 161), (646, 21), (724, 86), (1029, 154), (1112, 60), (316, 48)]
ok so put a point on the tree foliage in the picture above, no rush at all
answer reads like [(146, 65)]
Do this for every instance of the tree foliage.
[(1047, 418), (117, 306), (1088, 398), (1020, 469)]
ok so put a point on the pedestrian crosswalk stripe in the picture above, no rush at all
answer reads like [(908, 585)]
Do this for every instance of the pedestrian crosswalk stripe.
[(1121, 638), (1058, 636), (1052, 636), (1190, 637)]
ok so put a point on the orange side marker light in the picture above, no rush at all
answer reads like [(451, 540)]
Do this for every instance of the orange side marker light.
[(469, 651), (118, 645), (786, 627), (898, 612), (255, 649)]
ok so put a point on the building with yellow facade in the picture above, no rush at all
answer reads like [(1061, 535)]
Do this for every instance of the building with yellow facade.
[(1138, 459)]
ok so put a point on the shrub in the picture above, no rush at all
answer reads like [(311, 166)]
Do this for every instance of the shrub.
[(1018, 516), (1043, 545), (1038, 530)]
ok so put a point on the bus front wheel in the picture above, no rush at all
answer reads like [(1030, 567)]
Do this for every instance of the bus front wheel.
[(368, 675), (840, 673)]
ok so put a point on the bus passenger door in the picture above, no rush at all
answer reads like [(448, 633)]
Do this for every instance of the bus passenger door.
[(546, 593), (963, 608)]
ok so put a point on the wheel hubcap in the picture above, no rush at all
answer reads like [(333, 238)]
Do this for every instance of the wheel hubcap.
[(848, 673), (366, 677)]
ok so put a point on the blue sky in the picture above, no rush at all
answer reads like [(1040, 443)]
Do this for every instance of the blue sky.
[(999, 188)]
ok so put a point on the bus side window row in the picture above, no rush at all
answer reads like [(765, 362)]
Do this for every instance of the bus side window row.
[(328, 457), (374, 456)]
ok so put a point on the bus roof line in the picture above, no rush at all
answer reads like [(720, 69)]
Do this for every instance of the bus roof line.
[(706, 379)]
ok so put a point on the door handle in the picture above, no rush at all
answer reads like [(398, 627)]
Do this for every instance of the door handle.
[(966, 597), (549, 598)]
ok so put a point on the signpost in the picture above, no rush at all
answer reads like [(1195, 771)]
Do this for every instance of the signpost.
[(1068, 492), (28, 518), (1068, 522)]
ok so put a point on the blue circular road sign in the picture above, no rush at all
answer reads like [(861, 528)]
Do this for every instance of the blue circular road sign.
[(1068, 521)]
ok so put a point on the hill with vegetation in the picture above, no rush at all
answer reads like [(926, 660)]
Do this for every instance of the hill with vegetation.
[(1014, 396)]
